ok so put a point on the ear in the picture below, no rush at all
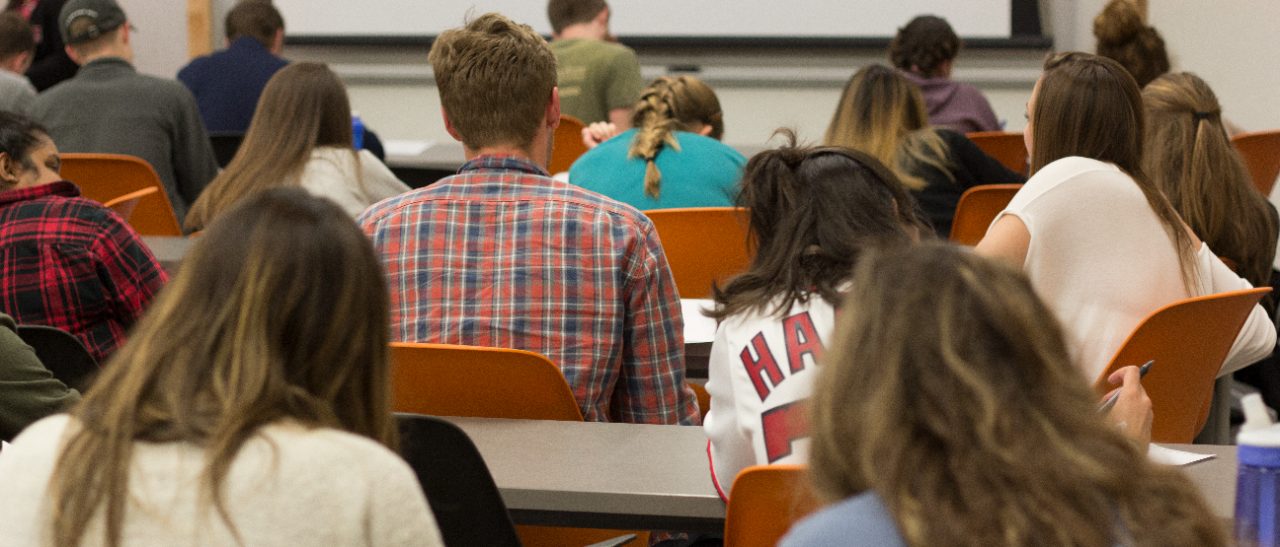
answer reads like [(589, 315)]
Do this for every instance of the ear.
[(705, 130), (448, 125), (22, 61), (277, 42), (124, 33), (8, 169), (553, 109), (75, 57)]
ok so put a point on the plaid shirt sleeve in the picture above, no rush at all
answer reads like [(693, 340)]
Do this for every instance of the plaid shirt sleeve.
[(652, 385), (132, 274)]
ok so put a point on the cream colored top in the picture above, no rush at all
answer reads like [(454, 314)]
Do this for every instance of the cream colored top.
[(288, 486), (331, 173), (1102, 260)]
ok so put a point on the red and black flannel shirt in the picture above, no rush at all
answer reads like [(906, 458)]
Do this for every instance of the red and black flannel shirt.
[(70, 263)]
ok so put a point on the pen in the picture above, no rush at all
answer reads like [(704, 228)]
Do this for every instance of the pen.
[(1111, 401)]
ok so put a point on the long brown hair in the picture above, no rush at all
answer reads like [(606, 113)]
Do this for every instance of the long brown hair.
[(949, 393), (883, 114), (278, 313), (304, 106), (813, 211), (1090, 106), (670, 104), (1124, 37), (1190, 158)]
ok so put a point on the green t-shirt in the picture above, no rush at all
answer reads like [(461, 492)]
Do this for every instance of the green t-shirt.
[(595, 77)]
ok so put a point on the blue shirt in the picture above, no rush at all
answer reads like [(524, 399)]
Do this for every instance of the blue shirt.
[(227, 83), (703, 173), (860, 520)]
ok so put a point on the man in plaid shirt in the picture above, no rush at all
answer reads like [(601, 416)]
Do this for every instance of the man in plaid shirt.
[(502, 255)]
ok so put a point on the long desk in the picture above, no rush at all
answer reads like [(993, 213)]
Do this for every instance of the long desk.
[(656, 477), (449, 156)]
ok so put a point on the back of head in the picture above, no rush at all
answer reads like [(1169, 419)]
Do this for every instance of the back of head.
[(1190, 158), (495, 78), (564, 13), (1123, 36), (278, 313), (16, 36), (883, 114), (949, 392), (304, 106), (92, 27), (257, 19), (812, 212), (669, 104), (924, 45), (18, 136)]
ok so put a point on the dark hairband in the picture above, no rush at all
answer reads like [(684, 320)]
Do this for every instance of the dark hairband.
[(1199, 116)]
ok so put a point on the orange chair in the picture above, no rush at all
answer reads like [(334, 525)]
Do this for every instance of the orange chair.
[(568, 144), (704, 398), (1005, 146), (703, 244), (104, 177), (979, 206), (1260, 151), (763, 504), (1188, 340), (124, 205)]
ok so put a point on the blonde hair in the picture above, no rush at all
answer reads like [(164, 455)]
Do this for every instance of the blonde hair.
[(279, 313), (949, 393), (1190, 158), (495, 78), (670, 104), (883, 114)]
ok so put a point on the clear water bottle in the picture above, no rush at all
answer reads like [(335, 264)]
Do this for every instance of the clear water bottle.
[(357, 131), (1257, 521)]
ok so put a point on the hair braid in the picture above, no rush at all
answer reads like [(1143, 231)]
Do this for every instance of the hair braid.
[(656, 122)]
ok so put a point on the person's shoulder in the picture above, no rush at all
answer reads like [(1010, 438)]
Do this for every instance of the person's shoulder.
[(694, 141), (331, 448), (41, 438), (859, 520), (1073, 167)]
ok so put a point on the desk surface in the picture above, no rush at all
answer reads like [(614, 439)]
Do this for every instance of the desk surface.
[(169, 250), (656, 477)]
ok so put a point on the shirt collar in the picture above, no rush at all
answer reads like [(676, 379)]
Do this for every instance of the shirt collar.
[(501, 163), (61, 188), (107, 65), (247, 43)]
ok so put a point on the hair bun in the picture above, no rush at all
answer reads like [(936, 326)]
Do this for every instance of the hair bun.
[(1118, 23)]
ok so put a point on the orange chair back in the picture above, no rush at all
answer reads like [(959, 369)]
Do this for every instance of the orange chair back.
[(703, 245), (1188, 340), (763, 504), (1006, 147), (104, 177), (449, 380), (979, 206), (568, 144), (1260, 151)]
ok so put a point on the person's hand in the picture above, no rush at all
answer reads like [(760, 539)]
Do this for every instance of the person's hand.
[(1132, 411), (598, 132)]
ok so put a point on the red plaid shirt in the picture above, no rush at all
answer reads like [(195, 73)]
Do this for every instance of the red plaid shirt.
[(71, 263), (500, 255)]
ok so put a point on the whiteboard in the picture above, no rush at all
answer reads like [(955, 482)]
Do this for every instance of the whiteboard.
[(653, 18)]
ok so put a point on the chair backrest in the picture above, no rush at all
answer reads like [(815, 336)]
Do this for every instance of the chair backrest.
[(1188, 340), (703, 244), (979, 206), (62, 353), (763, 504), (449, 380), (124, 205), (225, 146), (466, 503), (103, 177), (1260, 151), (567, 145), (1006, 147)]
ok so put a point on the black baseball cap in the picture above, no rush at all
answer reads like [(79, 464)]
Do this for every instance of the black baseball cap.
[(104, 16)]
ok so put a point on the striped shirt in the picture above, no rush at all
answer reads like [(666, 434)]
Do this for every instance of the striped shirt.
[(501, 255)]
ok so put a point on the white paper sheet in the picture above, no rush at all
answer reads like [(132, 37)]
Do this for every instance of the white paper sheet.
[(1169, 456), (395, 147), (698, 328)]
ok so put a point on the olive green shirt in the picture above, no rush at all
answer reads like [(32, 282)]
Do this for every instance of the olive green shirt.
[(28, 391), (595, 77)]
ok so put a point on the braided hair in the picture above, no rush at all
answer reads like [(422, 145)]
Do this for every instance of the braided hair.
[(670, 104)]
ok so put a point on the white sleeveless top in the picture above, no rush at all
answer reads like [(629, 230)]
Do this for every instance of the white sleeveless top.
[(1102, 261)]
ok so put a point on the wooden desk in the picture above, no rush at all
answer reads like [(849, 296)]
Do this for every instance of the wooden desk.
[(657, 477)]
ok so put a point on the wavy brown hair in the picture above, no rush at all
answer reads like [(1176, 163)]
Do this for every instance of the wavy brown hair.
[(1190, 158), (670, 104), (950, 394), (303, 107), (924, 45), (883, 114), (279, 313), (813, 211), (1124, 37)]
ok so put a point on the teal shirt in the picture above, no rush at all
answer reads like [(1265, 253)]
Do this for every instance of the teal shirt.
[(703, 173)]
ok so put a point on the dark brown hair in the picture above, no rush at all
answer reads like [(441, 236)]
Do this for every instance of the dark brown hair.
[(1125, 38), (924, 45), (813, 211), (257, 19), (565, 13), (16, 36), (19, 136)]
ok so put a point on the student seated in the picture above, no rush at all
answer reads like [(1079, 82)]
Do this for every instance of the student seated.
[(249, 407), (300, 136), (28, 391), (671, 158), (948, 412), (883, 114), (1099, 240), (65, 261), (813, 212), (925, 51)]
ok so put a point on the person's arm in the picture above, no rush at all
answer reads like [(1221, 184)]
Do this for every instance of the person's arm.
[(398, 513), (28, 391), (985, 169), (1008, 239), (1132, 412), (651, 386), (130, 271), (728, 444), (194, 164), (379, 180), (1257, 337)]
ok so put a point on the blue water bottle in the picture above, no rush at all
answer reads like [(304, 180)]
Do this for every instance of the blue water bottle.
[(1257, 521), (357, 131)]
